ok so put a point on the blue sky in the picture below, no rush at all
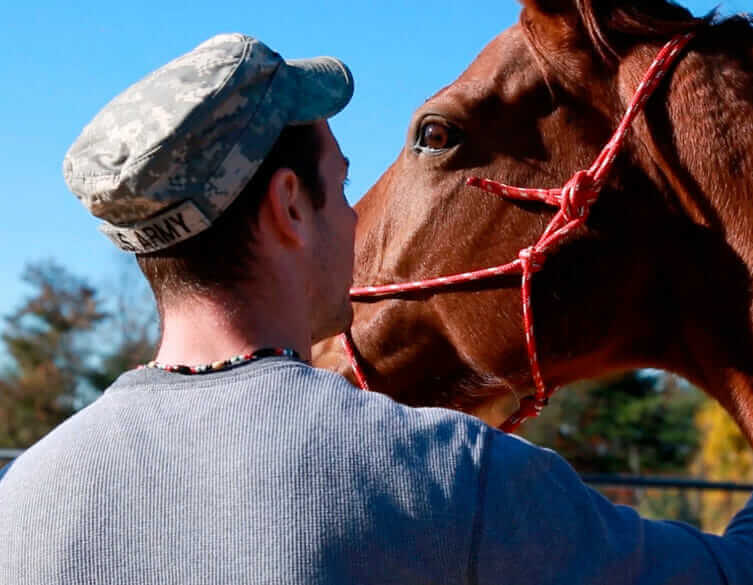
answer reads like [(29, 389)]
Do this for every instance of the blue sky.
[(60, 62)]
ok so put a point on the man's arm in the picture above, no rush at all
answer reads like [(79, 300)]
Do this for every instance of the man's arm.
[(539, 524), (735, 549)]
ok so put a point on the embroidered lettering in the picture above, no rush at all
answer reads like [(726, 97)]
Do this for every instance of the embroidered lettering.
[(168, 233), (145, 244), (125, 243), (153, 236), (178, 219)]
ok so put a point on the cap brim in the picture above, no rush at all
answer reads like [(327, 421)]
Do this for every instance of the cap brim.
[(324, 87)]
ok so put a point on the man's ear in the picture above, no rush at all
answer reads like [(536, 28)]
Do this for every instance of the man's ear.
[(285, 212)]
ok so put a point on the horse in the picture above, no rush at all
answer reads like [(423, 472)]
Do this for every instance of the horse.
[(657, 276)]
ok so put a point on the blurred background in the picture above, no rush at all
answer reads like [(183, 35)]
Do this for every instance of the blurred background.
[(75, 312)]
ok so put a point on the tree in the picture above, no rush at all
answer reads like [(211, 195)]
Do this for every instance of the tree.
[(43, 338), (67, 345), (725, 455), (128, 335), (639, 422)]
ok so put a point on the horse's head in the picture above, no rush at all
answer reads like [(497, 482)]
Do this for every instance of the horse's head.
[(537, 105)]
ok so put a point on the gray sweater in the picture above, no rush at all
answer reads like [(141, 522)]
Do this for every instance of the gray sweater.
[(276, 472)]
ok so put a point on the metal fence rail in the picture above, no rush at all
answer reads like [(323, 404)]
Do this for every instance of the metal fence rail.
[(9, 454), (619, 480)]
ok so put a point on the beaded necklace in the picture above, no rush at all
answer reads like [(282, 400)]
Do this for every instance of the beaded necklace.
[(225, 364)]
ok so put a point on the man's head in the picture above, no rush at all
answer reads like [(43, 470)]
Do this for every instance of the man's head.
[(186, 164)]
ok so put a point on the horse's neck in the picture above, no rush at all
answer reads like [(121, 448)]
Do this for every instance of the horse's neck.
[(708, 162), (712, 117)]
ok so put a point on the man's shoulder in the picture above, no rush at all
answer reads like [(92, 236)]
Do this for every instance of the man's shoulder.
[(318, 414), (279, 394), (283, 411), (437, 440), (379, 411), (284, 389)]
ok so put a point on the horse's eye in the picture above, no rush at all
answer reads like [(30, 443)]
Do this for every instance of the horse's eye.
[(436, 136)]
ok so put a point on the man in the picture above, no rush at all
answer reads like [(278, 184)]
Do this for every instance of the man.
[(229, 459)]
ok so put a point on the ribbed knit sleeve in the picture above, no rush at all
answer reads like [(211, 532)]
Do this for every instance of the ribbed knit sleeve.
[(542, 525)]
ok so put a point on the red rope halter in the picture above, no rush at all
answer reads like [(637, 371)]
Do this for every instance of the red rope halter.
[(574, 201)]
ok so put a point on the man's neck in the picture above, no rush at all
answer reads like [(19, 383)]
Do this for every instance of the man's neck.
[(199, 331)]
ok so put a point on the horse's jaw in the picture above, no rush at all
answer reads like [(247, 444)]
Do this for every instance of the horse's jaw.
[(425, 374)]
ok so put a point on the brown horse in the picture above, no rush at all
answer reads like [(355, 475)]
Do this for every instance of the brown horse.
[(660, 276)]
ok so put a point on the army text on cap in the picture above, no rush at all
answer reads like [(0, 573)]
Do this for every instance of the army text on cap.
[(164, 230)]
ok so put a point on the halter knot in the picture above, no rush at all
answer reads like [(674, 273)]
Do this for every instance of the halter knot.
[(533, 258), (578, 194)]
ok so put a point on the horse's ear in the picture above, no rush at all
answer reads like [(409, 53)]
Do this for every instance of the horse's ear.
[(554, 23), (598, 25), (562, 33)]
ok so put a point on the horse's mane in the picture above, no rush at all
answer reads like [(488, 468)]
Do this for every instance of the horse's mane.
[(614, 25), (609, 22)]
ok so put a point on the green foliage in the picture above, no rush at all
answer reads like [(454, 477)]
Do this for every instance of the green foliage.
[(638, 422), (42, 339), (650, 423), (64, 349)]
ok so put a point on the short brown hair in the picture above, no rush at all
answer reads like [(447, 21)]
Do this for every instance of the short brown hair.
[(222, 256)]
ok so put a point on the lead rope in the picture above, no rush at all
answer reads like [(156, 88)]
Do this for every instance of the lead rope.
[(574, 201)]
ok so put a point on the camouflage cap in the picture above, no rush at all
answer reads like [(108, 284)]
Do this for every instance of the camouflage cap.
[(165, 158)]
